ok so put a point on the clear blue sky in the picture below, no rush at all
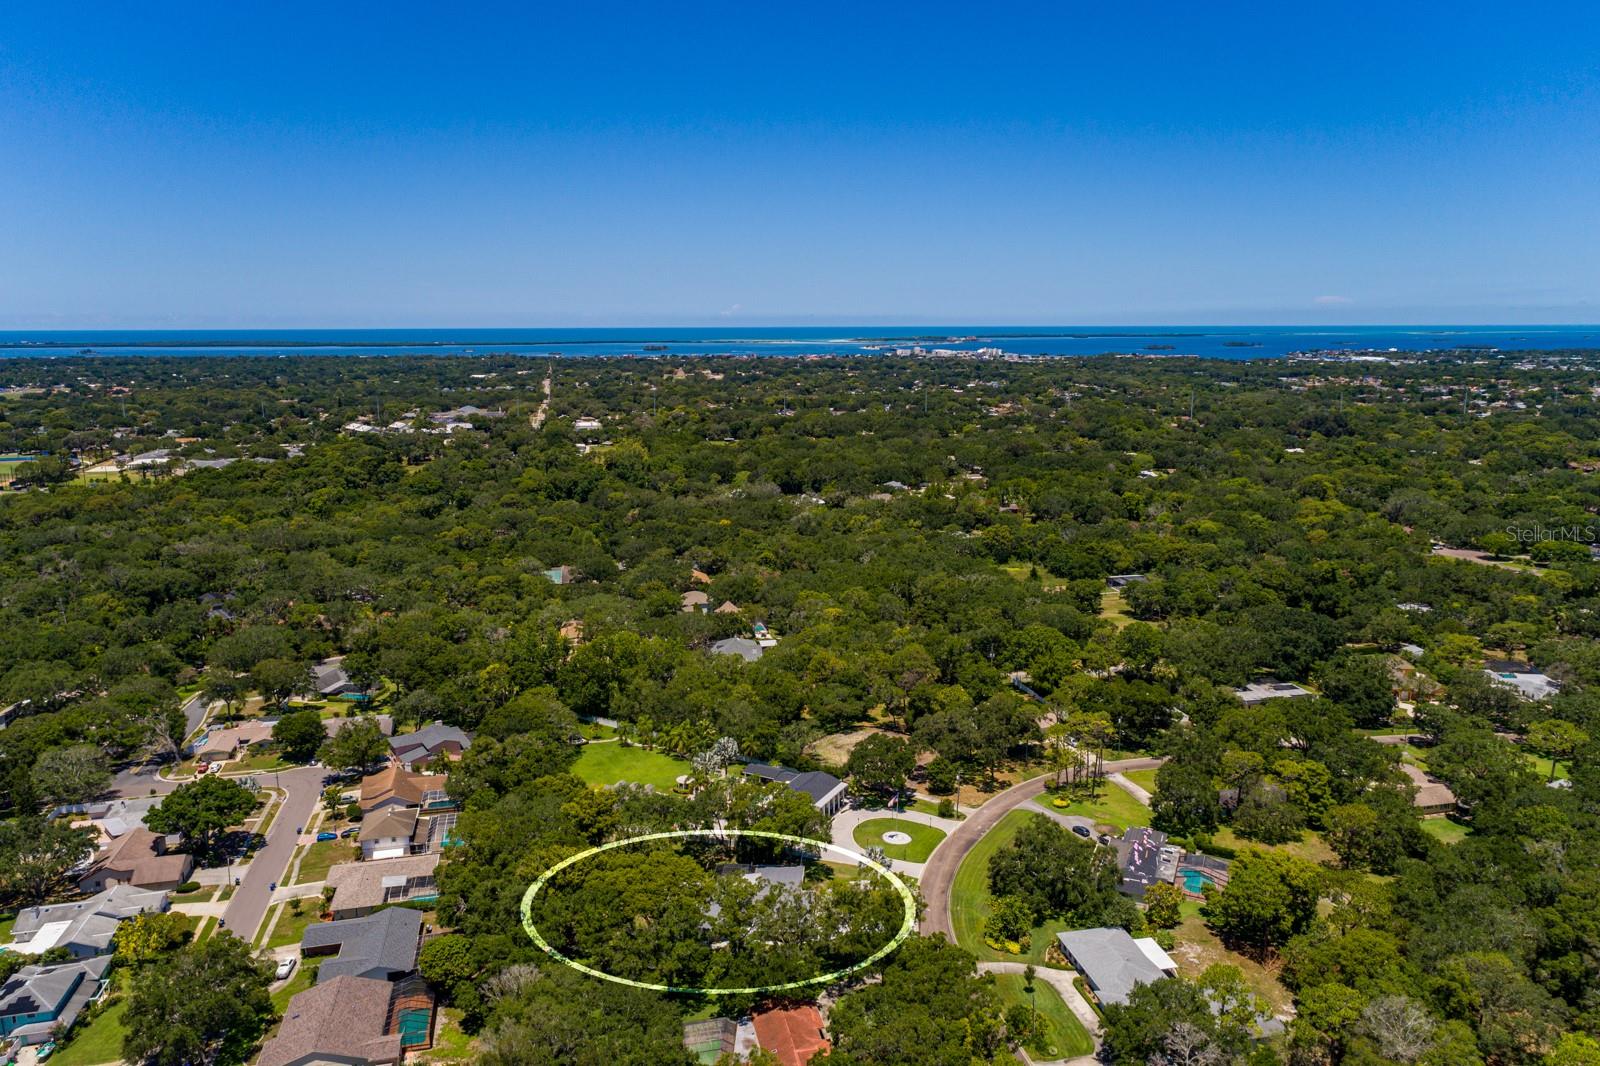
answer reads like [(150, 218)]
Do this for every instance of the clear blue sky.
[(366, 164)]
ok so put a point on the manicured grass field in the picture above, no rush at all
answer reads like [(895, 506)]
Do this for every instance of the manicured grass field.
[(1445, 831), (924, 838), (1064, 1036), (290, 926), (99, 1041), (969, 896), (1145, 779), (607, 764), (1114, 806), (923, 806), (319, 857)]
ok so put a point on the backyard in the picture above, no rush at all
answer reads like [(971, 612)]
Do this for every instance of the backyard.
[(1064, 1037), (100, 1040), (607, 764), (924, 838)]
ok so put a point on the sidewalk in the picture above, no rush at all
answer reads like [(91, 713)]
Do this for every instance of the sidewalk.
[(1061, 981)]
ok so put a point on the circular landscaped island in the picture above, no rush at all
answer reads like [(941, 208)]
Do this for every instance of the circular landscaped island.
[(900, 838)]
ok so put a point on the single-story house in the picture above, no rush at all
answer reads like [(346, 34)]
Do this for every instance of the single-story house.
[(695, 600), (794, 1034), (329, 679), (342, 1021), (1112, 962), (395, 787), (36, 1002), (226, 742), (586, 424), (382, 945), (428, 743), (745, 648), (362, 887), (1433, 796), (1262, 691), (85, 927), (1145, 858), (139, 858), (1529, 683), (826, 792), (331, 726), (1122, 581), (727, 607)]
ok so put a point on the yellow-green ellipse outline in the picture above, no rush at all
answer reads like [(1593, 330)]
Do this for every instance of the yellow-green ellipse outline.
[(906, 897)]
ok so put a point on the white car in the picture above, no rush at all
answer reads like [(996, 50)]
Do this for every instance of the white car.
[(285, 968)]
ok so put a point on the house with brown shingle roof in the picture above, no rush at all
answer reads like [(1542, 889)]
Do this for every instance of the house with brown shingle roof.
[(139, 858), (338, 1021), (395, 786), (1433, 796), (728, 607), (362, 887)]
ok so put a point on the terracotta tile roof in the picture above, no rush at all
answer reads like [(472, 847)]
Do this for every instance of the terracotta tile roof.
[(794, 1034)]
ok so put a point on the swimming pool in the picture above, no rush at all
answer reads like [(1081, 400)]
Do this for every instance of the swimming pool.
[(1195, 881)]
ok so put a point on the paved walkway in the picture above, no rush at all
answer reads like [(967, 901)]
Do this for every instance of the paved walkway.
[(939, 873), (1138, 792), (1061, 981)]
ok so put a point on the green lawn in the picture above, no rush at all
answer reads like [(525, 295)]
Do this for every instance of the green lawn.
[(5, 927), (969, 896), (1114, 608), (1064, 1036), (318, 857), (1541, 766), (1145, 779), (1445, 831), (607, 764), (100, 1040), (1114, 806), (452, 1045), (290, 926), (924, 838), (923, 806)]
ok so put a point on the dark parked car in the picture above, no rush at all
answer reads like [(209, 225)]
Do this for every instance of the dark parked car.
[(352, 831), (1081, 830)]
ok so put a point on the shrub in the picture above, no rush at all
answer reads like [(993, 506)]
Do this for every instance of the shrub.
[(187, 887), (947, 808)]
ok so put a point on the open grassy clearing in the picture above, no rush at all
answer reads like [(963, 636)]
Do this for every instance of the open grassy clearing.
[(1310, 846), (1196, 947), (607, 764), (1446, 831), (1113, 806), (1145, 779), (970, 901)]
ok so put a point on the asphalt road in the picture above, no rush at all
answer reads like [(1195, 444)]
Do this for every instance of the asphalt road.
[(249, 904), (939, 875), (141, 780)]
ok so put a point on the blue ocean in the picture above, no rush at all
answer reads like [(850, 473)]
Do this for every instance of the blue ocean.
[(1216, 342)]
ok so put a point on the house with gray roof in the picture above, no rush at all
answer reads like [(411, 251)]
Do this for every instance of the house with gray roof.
[(428, 743), (743, 647), (826, 792), (382, 945), (1112, 962), (37, 1002), (1145, 858), (329, 679), (85, 927), (345, 1021)]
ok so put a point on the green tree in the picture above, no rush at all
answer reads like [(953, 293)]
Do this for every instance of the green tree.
[(71, 775), (206, 1003), (359, 743), (1269, 898), (299, 734), (278, 679), (150, 936), (201, 811), (1557, 740), (36, 853), (1163, 905), (881, 763)]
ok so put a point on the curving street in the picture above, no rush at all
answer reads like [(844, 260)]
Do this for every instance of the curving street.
[(939, 873)]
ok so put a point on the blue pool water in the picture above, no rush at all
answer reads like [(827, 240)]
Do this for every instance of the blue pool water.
[(1195, 880)]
